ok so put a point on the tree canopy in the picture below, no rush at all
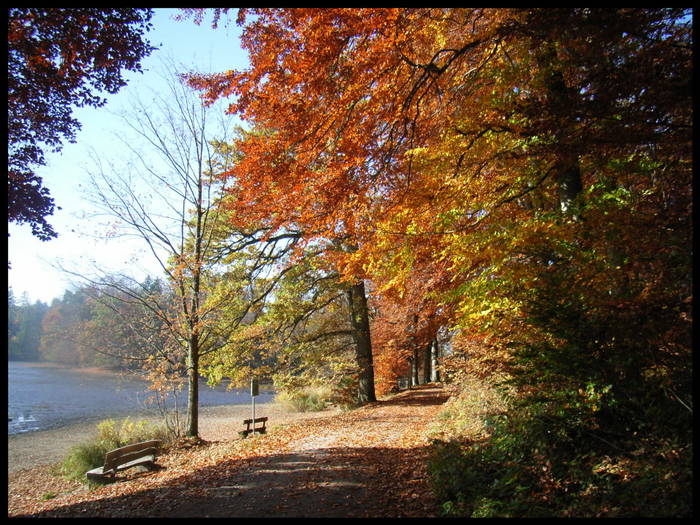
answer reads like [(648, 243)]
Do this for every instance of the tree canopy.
[(519, 176), (59, 59), (482, 149), (494, 196)]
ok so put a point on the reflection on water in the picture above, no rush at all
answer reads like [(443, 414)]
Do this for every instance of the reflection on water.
[(42, 397), (24, 422)]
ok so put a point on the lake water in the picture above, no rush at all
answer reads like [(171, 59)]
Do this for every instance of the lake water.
[(41, 397)]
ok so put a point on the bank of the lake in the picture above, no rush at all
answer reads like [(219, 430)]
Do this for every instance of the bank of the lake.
[(218, 423), (46, 396)]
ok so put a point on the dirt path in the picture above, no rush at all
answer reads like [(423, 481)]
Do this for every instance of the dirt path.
[(364, 463)]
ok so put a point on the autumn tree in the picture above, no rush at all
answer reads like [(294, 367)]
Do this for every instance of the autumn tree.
[(166, 199), (62, 329), (123, 330), (355, 98), (290, 317), (540, 158), (312, 218), (306, 330), (406, 325), (59, 59)]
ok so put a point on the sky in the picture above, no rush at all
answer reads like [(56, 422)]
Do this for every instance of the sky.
[(35, 264)]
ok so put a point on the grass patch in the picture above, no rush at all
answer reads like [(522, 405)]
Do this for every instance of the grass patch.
[(467, 416), (307, 399), (110, 435)]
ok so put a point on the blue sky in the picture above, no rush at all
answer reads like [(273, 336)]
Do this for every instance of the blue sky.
[(33, 261)]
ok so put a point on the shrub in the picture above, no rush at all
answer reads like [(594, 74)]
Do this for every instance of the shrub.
[(306, 399), (345, 392), (81, 458), (90, 454), (541, 459)]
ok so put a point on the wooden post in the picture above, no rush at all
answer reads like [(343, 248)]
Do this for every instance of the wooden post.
[(254, 390)]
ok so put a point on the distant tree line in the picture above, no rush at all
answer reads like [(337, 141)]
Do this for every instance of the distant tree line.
[(23, 327), (83, 328)]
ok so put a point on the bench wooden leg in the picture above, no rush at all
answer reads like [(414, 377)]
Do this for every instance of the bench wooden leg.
[(98, 475)]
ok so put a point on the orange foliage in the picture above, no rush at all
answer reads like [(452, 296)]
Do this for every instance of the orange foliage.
[(440, 144)]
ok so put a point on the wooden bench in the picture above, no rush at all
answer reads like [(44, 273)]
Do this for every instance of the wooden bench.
[(249, 422), (143, 453)]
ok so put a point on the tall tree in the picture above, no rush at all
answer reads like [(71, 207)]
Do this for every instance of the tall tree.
[(11, 317), (58, 59), (312, 219), (167, 200), (536, 155), (121, 331), (62, 327)]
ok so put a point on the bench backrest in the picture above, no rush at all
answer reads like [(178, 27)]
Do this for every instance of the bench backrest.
[(123, 455), (257, 420)]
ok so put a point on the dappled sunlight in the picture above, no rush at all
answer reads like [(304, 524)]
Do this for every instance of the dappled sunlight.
[(333, 466)]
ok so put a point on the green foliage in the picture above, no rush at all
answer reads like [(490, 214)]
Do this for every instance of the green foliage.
[(97, 326), (81, 458), (566, 444), (467, 415), (540, 464), (24, 328), (110, 435), (299, 336), (595, 316)]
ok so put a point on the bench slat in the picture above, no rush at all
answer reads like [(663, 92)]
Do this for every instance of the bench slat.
[(96, 474), (143, 453), (122, 455), (257, 420), (248, 430), (122, 459), (154, 443), (139, 461)]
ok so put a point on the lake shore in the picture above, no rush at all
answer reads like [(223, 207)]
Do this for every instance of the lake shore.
[(216, 423)]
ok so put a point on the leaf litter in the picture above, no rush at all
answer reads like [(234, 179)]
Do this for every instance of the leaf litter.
[(369, 462)]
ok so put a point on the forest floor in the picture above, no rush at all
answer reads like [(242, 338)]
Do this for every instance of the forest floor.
[(368, 462)]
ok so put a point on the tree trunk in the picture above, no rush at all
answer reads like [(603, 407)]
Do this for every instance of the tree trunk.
[(568, 176), (414, 367), (427, 363), (359, 323), (561, 99), (434, 354), (193, 388)]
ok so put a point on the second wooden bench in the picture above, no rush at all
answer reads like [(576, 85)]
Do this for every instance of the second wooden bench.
[(249, 422)]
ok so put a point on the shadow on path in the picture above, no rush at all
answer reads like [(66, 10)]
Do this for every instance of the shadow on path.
[(333, 482), (323, 482)]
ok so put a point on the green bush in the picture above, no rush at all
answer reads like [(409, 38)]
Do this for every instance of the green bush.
[(90, 454), (541, 460)]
